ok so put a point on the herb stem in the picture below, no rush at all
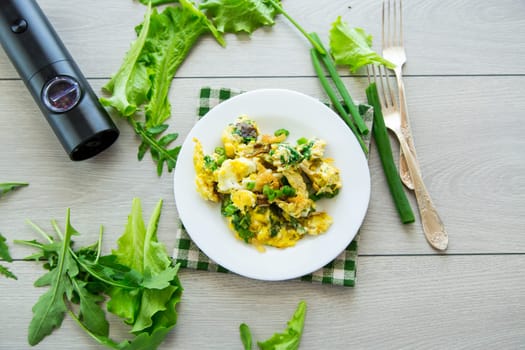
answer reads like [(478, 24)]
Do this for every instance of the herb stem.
[(335, 101), (39, 230), (330, 66), (281, 10), (385, 153), (99, 243)]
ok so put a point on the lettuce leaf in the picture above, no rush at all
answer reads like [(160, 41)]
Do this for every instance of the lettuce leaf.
[(163, 43), (353, 47), (172, 35), (233, 16), (152, 306), (130, 85)]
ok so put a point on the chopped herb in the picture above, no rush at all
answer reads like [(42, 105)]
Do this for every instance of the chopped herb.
[(210, 163), (220, 154), (227, 207), (280, 132), (270, 193), (302, 141), (284, 191), (241, 224), (288, 155), (306, 148)]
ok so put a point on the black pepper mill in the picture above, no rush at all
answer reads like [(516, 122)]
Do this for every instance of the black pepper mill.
[(56, 83)]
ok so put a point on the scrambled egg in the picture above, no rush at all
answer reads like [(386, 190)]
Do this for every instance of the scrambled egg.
[(267, 186)]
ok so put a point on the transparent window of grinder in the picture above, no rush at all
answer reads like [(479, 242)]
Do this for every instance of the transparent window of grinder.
[(56, 83)]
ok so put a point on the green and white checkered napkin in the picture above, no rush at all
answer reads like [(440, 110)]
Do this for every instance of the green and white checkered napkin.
[(341, 271)]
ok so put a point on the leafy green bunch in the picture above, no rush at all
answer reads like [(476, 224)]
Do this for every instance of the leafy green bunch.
[(137, 282)]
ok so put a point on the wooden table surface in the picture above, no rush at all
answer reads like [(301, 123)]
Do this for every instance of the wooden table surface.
[(465, 82)]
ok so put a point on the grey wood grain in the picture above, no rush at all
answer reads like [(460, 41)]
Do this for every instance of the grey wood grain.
[(465, 86), (401, 302), (445, 38)]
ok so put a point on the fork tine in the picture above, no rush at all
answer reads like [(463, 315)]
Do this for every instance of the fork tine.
[(392, 23), (400, 22), (384, 89), (383, 37), (386, 78)]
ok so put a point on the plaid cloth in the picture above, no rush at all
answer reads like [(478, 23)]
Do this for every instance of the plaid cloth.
[(341, 271)]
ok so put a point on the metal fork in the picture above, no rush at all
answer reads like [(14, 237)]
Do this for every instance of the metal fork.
[(433, 227), (394, 51)]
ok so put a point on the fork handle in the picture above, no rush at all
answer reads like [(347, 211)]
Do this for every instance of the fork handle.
[(405, 129), (433, 227)]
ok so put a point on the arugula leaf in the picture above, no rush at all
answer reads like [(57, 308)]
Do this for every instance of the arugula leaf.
[(291, 337), (10, 186), (246, 336), (4, 249), (233, 16), (50, 309), (4, 254), (143, 341), (157, 145), (91, 314), (353, 47), (7, 273)]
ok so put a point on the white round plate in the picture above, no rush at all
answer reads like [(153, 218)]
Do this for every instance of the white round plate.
[(302, 116)]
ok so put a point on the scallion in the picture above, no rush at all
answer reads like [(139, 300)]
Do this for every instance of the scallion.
[(332, 70), (385, 153), (333, 97)]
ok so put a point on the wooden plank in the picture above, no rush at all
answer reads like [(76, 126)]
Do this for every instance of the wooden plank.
[(399, 302), (442, 38)]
